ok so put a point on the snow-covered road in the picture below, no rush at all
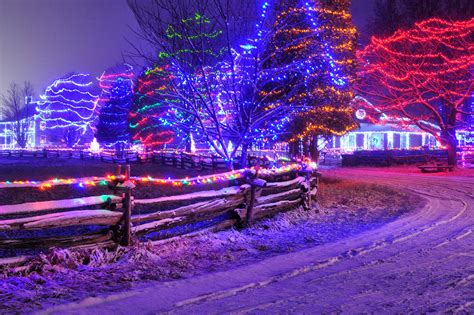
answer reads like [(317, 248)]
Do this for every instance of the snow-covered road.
[(422, 262)]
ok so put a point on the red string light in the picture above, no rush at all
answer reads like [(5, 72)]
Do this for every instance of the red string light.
[(422, 75)]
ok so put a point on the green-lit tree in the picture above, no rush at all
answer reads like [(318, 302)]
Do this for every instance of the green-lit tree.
[(147, 119)]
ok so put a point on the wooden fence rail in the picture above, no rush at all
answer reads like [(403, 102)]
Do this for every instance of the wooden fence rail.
[(119, 217)]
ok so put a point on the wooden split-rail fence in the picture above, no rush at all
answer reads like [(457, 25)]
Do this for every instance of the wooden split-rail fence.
[(179, 159), (120, 217)]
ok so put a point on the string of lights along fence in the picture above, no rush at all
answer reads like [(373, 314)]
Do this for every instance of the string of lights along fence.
[(103, 181)]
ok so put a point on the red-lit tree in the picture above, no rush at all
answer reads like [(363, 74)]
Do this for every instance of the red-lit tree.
[(423, 75)]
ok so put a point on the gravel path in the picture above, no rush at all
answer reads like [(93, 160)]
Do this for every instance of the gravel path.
[(421, 262)]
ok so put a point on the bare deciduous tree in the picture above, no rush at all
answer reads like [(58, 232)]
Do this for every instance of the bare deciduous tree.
[(16, 110), (423, 76), (215, 59)]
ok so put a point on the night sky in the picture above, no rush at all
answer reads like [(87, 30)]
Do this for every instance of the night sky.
[(42, 40)]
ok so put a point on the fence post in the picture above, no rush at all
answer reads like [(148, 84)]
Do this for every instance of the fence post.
[(127, 208), (250, 213), (126, 187), (255, 182), (306, 187)]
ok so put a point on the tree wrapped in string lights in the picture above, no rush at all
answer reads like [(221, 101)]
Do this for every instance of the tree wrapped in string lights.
[(115, 103), (215, 71), (148, 118), (68, 108), (313, 46), (423, 76)]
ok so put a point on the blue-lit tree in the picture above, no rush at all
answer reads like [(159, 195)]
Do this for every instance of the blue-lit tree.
[(115, 103), (313, 47), (216, 71), (68, 107)]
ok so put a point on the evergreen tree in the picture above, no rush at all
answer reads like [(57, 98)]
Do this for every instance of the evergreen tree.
[(147, 123), (69, 106), (314, 46), (112, 128)]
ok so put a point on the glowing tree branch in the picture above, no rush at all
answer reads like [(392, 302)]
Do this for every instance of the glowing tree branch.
[(423, 74)]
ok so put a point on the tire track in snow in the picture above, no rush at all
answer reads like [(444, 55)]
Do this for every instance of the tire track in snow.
[(464, 233), (226, 293), (329, 262), (420, 236)]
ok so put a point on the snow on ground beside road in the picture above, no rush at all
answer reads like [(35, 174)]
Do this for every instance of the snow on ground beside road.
[(347, 208), (421, 262)]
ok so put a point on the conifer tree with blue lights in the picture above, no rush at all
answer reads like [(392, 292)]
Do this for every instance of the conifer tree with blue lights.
[(68, 109), (313, 45), (112, 128)]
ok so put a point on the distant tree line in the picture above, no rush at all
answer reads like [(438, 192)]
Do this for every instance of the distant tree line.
[(15, 107)]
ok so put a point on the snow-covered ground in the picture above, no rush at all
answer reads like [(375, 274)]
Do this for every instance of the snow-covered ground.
[(346, 208), (421, 262)]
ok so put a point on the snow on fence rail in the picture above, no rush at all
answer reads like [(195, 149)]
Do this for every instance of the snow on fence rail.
[(113, 219), (179, 159)]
